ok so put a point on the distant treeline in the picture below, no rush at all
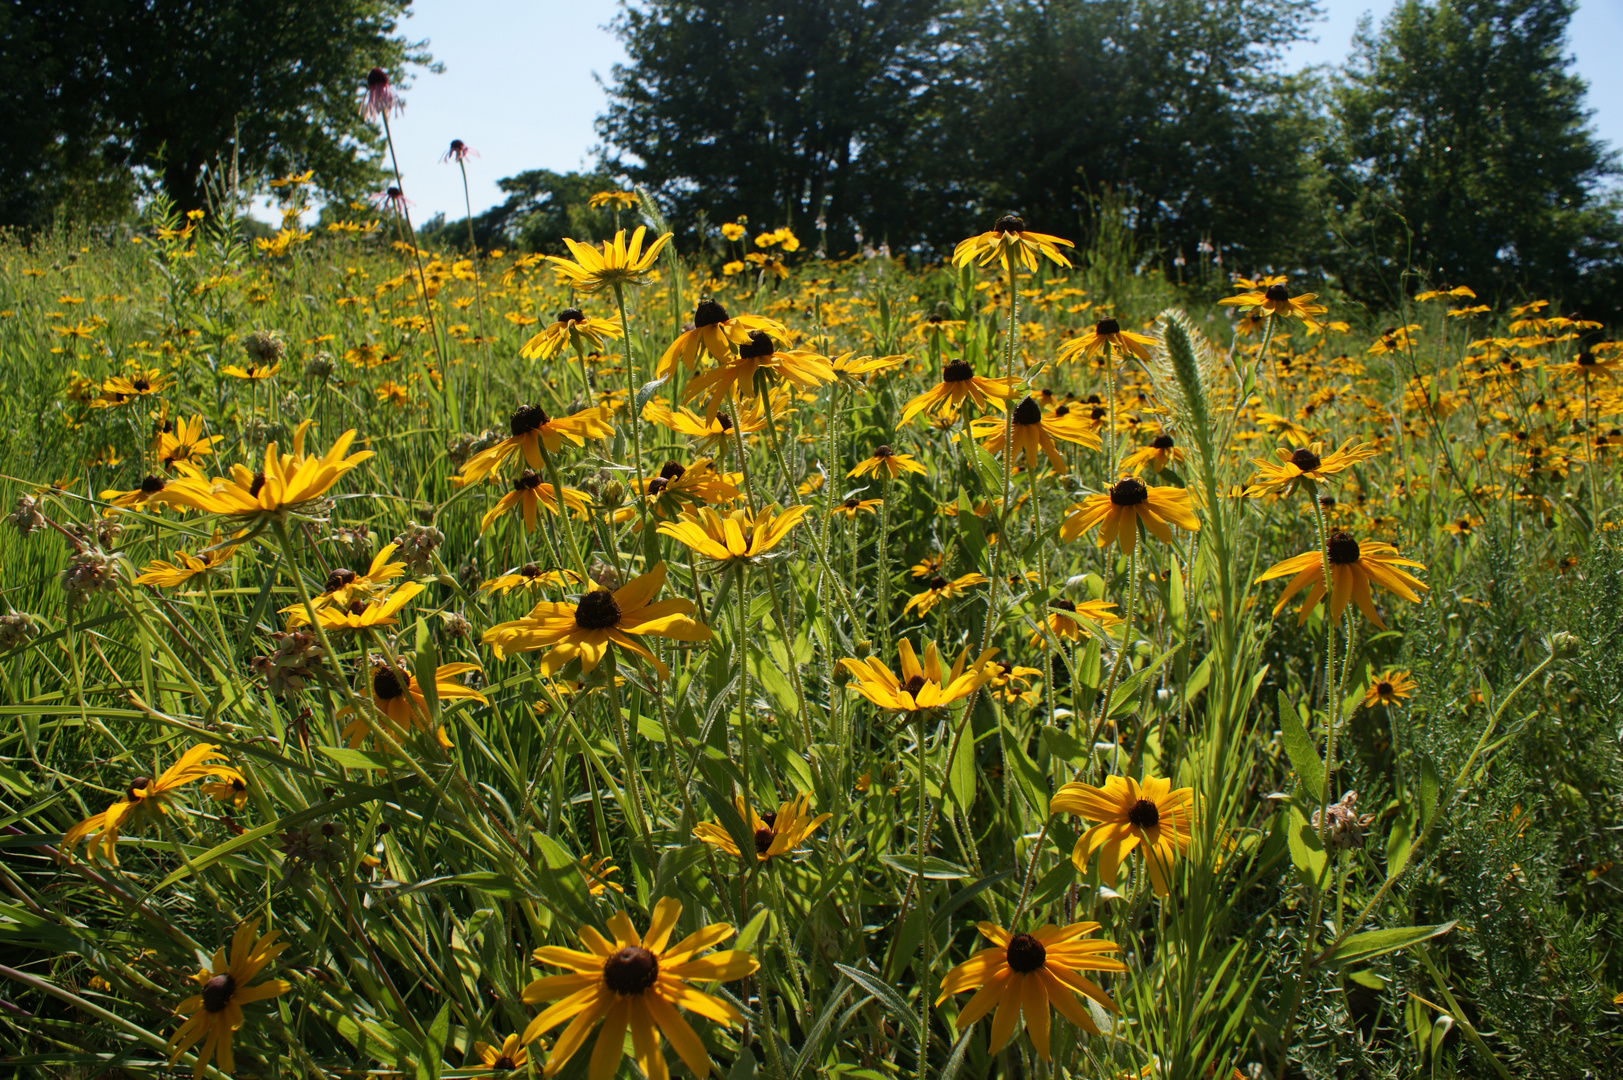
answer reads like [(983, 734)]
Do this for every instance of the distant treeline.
[(1455, 143)]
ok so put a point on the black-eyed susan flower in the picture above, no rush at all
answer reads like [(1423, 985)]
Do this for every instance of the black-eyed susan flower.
[(1011, 682), (344, 586), (584, 630), (1127, 504), (775, 835), (922, 686), (1008, 239), (1307, 463), (1025, 973), (1105, 332), (510, 1056), (634, 982), (959, 384), (1269, 296), (359, 614), (1147, 815), (149, 490), (396, 696), (531, 429), (1394, 339), (233, 790), (251, 371), (852, 507), (1069, 620), (214, 1014), (618, 263), (850, 368), (120, 389), (186, 566), (528, 493), (145, 800), (940, 589), (716, 333), (929, 566), (735, 376), (286, 484), (1353, 566), (527, 577), (1462, 527), (597, 873), (571, 327), (182, 440), (887, 463), (1031, 434), (737, 535), (1162, 451), (1389, 688), (680, 487), (715, 434)]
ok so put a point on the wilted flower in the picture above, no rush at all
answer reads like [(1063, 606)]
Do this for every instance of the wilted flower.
[(15, 629), (265, 346), (288, 665), (381, 98), (416, 546), (90, 571), (1345, 828), (26, 518)]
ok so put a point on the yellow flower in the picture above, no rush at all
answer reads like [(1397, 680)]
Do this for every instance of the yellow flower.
[(1162, 451), (958, 384), (1395, 339), (1149, 816), (509, 1057), (1067, 619), (366, 615), (252, 373), (183, 441), (118, 389), (737, 535), (619, 263), (1031, 434), (716, 333), (586, 629), (288, 483), (620, 200), (571, 327), (1010, 237), (185, 567), (144, 799), (715, 433), (941, 589), (679, 487), (1270, 296), (888, 463), (634, 982), (1352, 567), (736, 375), (531, 429), (1130, 503), (396, 695), (215, 1013), (528, 493), (853, 506), (527, 577), (1106, 331), (1308, 463), (344, 586), (733, 231), (922, 686), (1390, 688), (775, 834), (150, 491), (597, 876), (1024, 973)]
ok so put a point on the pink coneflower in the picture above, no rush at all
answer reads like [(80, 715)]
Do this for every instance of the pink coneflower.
[(380, 96), (391, 199), (459, 152)]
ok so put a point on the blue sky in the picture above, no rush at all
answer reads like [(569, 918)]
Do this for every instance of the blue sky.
[(521, 85)]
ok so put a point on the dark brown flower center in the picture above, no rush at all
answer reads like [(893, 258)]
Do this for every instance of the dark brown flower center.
[(338, 579), (852, 503), (1010, 223), (759, 345), (457, 145), (139, 785), (1128, 491), (1277, 293), (1063, 410), (1062, 604), (934, 318), (725, 421), (217, 993), (597, 610), (504, 1064), (527, 418), (1383, 688), (237, 784), (387, 684), (530, 570), (631, 970), (938, 582), (1028, 412), (1107, 327), (1162, 442), (1144, 814), (708, 313), (151, 485), (957, 371), (672, 470), (1343, 549), (377, 77), (882, 451), (657, 485), (1586, 359), (915, 684), (258, 482), (1026, 954), (763, 839), (526, 481), (141, 385), (1305, 460)]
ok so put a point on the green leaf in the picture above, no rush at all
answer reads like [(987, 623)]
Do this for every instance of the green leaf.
[(1176, 607), (1299, 748), (358, 759), (1063, 745), (1307, 854), (1198, 679), (727, 814), (1397, 846), (961, 772), (883, 993), (434, 1050), (987, 468), (1428, 789), (1372, 943), (934, 869)]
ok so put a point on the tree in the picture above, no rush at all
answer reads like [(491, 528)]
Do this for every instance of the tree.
[(1462, 149), (788, 113), (168, 88)]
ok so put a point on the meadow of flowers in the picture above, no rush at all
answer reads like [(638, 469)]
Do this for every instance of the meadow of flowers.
[(432, 664)]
